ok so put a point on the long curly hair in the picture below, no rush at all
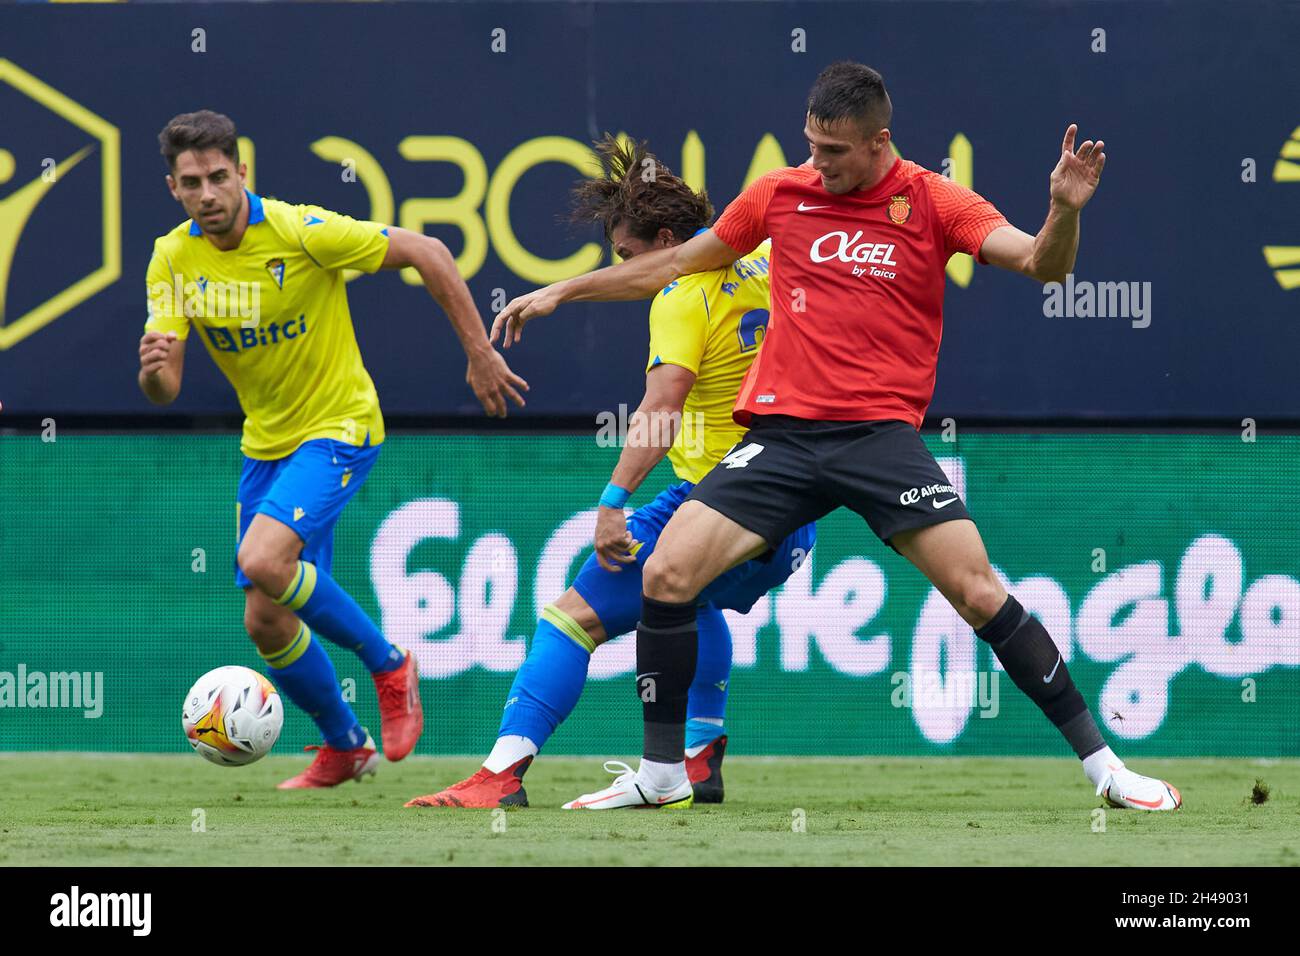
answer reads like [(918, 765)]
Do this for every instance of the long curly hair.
[(636, 188)]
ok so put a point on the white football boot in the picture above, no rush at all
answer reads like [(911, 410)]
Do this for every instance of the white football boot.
[(629, 789), (1125, 789)]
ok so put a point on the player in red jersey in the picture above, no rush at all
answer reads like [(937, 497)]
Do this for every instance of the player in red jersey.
[(860, 241)]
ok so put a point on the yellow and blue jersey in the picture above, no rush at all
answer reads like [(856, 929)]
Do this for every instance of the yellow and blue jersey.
[(273, 314), (713, 324)]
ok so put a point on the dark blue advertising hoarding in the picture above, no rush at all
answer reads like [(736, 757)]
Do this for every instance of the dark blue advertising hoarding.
[(471, 121)]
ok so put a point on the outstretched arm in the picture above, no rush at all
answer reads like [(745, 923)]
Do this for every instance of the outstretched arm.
[(488, 375), (1049, 256), (637, 278)]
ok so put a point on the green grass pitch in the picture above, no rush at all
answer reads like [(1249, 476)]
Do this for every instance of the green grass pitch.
[(81, 809)]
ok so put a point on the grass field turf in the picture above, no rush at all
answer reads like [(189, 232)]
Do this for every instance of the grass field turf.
[(83, 809)]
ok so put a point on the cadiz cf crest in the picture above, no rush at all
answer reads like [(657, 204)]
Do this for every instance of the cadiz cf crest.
[(276, 268), (900, 209)]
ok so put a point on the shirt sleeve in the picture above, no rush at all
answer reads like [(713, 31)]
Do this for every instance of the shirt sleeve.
[(679, 327), (967, 217), (743, 224), (166, 301), (335, 241)]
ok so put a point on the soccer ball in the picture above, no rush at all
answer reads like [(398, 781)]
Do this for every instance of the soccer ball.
[(232, 716)]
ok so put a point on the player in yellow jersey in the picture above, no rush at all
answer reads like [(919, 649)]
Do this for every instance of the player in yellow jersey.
[(260, 282), (705, 330)]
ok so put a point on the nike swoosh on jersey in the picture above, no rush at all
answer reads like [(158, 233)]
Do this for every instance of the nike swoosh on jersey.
[(803, 208), (941, 504)]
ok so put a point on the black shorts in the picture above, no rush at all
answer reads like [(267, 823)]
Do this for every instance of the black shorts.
[(787, 472)]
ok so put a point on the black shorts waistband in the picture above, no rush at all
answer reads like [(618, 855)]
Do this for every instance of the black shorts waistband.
[(790, 423)]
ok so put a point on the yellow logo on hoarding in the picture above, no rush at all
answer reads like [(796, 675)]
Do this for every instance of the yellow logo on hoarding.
[(1285, 260), (18, 206)]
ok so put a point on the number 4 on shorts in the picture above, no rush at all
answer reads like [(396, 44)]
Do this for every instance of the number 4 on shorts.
[(742, 456)]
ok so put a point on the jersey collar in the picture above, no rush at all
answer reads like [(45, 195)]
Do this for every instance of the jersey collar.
[(255, 213)]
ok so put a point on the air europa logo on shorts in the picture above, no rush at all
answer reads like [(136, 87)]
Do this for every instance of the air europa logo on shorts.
[(838, 245), (248, 337), (912, 495)]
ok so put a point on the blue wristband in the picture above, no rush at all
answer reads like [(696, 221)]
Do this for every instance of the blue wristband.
[(613, 496)]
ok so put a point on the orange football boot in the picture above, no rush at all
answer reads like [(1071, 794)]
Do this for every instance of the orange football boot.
[(400, 710), (332, 767), (484, 790)]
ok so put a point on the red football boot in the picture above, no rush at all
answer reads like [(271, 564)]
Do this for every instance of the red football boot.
[(484, 790), (400, 710), (332, 767), (705, 771)]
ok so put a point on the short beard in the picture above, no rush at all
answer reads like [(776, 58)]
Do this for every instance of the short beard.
[(221, 229)]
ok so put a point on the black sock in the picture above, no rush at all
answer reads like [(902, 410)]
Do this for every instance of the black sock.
[(667, 644), (1030, 657)]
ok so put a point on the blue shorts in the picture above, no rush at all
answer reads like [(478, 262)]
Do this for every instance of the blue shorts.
[(306, 491), (616, 596)]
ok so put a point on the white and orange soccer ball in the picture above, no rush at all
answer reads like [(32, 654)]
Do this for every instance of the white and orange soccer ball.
[(232, 716)]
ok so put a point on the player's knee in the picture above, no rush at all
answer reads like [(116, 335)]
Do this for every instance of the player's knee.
[(575, 606), (258, 626), (982, 596), (667, 579), (268, 572), (269, 632)]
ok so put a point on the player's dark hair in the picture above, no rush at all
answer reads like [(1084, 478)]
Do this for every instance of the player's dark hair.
[(848, 90), (202, 130), (635, 188)]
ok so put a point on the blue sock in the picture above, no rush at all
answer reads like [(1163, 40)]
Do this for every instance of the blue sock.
[(708, 694), (701, 732), (548, 685), (330, 611), (304, 672)]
